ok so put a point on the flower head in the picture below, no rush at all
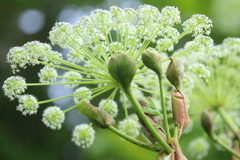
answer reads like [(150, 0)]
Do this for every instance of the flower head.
[(200, 71), (109, 106), (198, 148), (82, 93), (27, 104), (14, 86), (71, 76), (129, 127), (203, 23), (47, 74), (30, 54), (83, 135), (53, 117)]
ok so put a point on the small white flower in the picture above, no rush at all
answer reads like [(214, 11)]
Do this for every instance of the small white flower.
[(101, 19), (200, 70), (47, 74), (60, 34), (82, 93), (30, 54), (71, 77), (200, 23), (27, 104), (170, 16), (109, 106), (129, 127), (133, 117), (187, 84), (200, 46), (198, 148), (14, 86), (231, 45), (53, 117), (83, 135), (148, 13), (17, 57)]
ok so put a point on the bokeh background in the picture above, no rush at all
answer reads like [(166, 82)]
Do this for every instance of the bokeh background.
[(26, 137)]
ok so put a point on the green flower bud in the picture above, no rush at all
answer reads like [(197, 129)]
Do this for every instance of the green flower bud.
[(175, 72), (122, 68), (207, 123), (152, 60), (96, 115), (179, 110)]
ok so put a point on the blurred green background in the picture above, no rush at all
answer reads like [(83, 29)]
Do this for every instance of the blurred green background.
[(26, 137)]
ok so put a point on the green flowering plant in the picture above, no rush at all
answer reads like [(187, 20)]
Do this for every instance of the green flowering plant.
[(122, 51)]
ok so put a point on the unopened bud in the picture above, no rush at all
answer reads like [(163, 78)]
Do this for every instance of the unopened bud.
[(175, 72), (179, 110), (152, 60), (96, 115), (207, 123), (122, 68)]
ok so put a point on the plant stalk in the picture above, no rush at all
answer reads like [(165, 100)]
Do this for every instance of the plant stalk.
[(146, 122), (229, 122), (164, 112), (134, 141)]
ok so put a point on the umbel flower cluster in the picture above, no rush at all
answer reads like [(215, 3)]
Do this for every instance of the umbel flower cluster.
[(94, 44)]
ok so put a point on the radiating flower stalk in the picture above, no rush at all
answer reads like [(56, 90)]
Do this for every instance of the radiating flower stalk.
[(122, 51)]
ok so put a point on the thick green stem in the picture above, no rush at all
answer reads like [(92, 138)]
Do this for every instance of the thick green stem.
[(164, 112), (146, 122), (234, 128), (134, 141)]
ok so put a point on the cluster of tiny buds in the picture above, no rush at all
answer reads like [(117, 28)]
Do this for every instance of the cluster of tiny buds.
[(129, 127), (109, 106), (53, 117), (83, 135), (200, 70), (14, 86), (198, 148)]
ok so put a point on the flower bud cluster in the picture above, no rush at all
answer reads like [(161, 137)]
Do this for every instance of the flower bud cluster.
[(83, 135), (198, 148), (53, 117), (14, 86), (129, 127), (27, 104), (81, 93), (48, 74), (109, 106), (71, 76)]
